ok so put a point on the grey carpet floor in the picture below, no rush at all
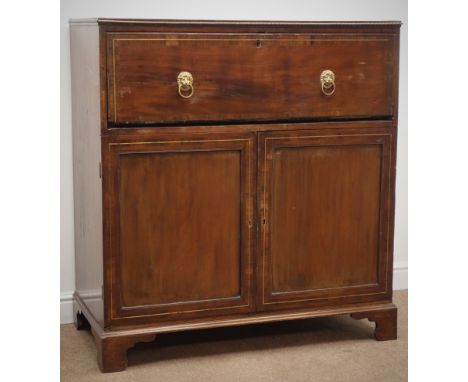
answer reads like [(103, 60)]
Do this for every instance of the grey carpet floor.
[(323, 349)]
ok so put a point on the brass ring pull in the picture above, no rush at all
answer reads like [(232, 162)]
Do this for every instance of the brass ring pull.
[(327, 79), (185, 84)]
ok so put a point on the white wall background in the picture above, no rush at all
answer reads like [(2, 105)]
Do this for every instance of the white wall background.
[(228, 10)]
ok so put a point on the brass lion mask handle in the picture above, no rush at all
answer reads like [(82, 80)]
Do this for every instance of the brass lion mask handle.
[(327, 79), (185, 84)]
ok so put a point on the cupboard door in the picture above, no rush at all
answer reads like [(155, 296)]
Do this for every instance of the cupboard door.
[(325, 200), (180, 227)]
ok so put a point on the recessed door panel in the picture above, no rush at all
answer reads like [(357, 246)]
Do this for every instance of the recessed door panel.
[(324, 233), (180, 226), (182, 229)]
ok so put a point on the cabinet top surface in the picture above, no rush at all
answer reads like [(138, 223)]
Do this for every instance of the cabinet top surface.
[(110, 21)]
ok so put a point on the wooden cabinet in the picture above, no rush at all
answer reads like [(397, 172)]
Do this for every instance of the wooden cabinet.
[(231, 173)]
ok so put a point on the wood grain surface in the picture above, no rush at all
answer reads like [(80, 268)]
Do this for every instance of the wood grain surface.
[(181, 226), (324, 200), (247, 76)]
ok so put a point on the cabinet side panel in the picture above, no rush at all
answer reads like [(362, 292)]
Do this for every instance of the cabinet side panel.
[(87, 187)]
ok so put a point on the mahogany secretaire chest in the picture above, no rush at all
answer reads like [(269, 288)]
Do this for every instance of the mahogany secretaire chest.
[(230, 173)]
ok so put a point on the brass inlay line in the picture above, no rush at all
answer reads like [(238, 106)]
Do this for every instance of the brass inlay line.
[(249, 218), (251, 39), (324, 297), (389, 201), (264, 228), (109, 247), (327, 136), (322, 289), (183, 141), (113, 81), (180, 312)]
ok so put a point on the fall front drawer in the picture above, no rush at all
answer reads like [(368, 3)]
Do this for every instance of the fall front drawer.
[(179, 78)]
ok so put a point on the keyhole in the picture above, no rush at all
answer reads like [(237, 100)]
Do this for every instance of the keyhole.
[(259, 44)]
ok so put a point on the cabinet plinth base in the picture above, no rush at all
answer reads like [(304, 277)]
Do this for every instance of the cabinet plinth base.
[(385, 323), (113, 344), (112, 350)]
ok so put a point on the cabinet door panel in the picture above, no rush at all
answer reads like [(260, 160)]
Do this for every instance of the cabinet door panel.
[(325, 233), (180, 240), (179, 227)]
